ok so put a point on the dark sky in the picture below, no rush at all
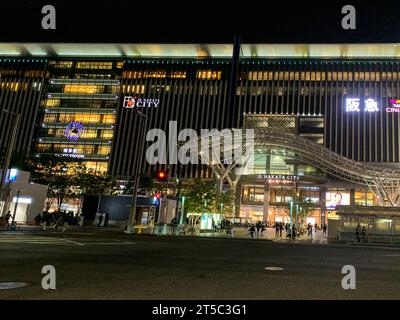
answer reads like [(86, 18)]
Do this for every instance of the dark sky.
[(196, 21)]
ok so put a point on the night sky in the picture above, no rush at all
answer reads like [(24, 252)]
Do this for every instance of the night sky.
[(200, 21)]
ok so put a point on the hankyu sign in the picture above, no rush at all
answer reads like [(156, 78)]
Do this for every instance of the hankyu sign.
[(394, 106), (134, 102), (354, 105), (278, 177)]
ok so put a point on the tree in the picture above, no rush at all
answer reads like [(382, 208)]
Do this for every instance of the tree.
[(68, 182), (202, 196)]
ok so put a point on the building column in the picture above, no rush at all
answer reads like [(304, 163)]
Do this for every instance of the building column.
[(238, 199), (322, 202), (266, 201), (352, 197)]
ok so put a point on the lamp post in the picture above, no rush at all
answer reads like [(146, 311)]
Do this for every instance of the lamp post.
[(7, 161), (16, 205), (132, 213)]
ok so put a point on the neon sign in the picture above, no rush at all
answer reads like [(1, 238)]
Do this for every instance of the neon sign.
[(13, 175), (278, 177), (395, 106), (73, 131), (134, 102), (353, 105)]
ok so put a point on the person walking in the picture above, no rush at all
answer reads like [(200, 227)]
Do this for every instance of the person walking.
[(294, 232), (324, 228), (277, 228), (280, 229), (363, 234), (229, 229), (309, 229), (252, 230), (8, 217), (258, 227), (358, 233), (38, 219)]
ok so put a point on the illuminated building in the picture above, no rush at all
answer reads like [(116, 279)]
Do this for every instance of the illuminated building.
[(341, 97), (79, 111)]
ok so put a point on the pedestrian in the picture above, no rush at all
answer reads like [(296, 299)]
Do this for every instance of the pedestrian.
[(38, 219), (258, 227), (280, 229), (309, 230), (100, 219), (324, 228), (252, 230), (277, 228), (229, 229), (363, 234), (262, 228), (293, 232), (358, 233), (8, 217)]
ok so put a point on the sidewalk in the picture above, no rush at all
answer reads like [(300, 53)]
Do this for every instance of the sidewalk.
[(269, 234)]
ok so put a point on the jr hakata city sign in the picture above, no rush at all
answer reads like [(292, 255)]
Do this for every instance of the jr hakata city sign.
[(278, 177), (134, 102)]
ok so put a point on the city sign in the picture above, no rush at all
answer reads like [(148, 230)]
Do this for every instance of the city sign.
[(134, 102), (394, 106), (353, 105), (278, 177)]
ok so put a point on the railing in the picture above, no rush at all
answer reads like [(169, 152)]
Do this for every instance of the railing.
[(370, 238)]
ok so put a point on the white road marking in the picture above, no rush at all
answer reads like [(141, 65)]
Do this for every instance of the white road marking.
[(108, 243), (273, 268), (79, 244), (57, 241)]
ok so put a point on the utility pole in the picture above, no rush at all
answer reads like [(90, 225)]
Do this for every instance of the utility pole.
[(7, 161), (15, 206), (132, 213)]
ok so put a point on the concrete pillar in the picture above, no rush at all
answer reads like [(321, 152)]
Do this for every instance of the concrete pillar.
[(238, 198), (266, 201), (352, 197), (322, 202)]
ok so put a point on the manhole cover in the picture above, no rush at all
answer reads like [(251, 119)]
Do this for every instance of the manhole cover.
[(273, 268), (11, 285)]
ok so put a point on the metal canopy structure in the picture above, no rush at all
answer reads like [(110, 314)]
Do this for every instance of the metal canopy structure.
[(205, 50), (383, 182)]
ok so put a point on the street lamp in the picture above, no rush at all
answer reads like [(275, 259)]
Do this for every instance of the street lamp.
[(132, 213), (16, 205), (7, 160)]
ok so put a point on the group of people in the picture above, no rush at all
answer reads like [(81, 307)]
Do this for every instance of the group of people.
[(56, 221), (361, 235), (256, 229), (223, 226)]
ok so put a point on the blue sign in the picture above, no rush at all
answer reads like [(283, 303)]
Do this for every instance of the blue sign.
[(13, 175), (74, 131)]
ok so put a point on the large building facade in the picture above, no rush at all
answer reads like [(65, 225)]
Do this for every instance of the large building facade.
[(345, 98)]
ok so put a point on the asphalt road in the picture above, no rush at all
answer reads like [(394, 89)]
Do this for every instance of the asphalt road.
[(110, 265)]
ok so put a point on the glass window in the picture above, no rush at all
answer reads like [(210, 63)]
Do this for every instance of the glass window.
[(209, 75)]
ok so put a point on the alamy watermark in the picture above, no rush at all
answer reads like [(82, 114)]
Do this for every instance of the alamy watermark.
[(211, 147)]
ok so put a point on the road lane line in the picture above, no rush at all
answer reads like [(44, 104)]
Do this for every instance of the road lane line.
[(77, 243), (108, 243)]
